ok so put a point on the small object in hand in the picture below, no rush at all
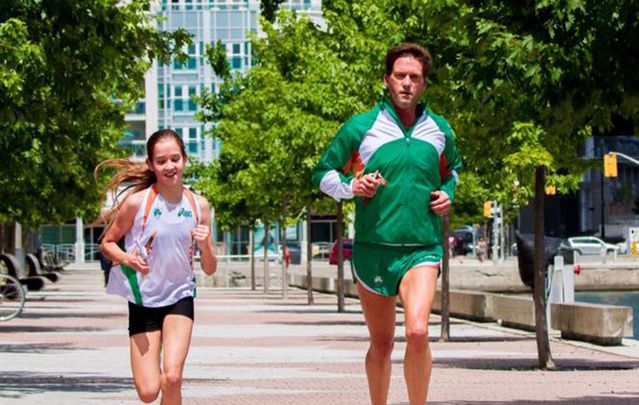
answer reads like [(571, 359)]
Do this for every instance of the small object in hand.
[(382, 181), (141, 249), (146, 248)]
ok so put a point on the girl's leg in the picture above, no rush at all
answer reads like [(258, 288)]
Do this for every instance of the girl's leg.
[(145, 363), (416, 291), (176, 339), (379, 312)]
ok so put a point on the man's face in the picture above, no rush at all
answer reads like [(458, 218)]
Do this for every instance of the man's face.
[(406, 83)]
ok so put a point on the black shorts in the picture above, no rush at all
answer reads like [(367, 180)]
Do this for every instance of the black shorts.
[(145, 319)]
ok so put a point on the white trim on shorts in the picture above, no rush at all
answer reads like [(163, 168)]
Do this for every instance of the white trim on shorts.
[(363, 284), (429, 264)]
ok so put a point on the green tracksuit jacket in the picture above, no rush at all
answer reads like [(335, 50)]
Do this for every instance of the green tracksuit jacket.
[(415, 161)]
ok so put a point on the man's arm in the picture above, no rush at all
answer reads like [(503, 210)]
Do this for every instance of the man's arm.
[(450, 165), (328, 174), (453, 165)]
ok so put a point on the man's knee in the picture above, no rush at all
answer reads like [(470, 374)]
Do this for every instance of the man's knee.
[(382, 347), (417, 337)]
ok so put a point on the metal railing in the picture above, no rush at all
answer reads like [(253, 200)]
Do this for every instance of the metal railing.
[(65, 252)]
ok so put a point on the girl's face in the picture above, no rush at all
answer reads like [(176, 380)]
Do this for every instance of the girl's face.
[(168, 162)]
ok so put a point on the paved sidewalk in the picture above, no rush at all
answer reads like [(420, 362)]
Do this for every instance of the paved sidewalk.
[(70, 346)]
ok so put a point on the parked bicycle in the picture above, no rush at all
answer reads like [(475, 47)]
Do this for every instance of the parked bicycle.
[(12, 297)]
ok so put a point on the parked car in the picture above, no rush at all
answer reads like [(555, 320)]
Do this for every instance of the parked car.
[(590, 245), (463, 242), (347, 251), (295, 252)]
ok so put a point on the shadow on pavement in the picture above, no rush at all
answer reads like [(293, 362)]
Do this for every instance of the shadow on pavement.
[(480, 339), (35, 348), (318, 323), (592, 400), (529, 364), (96, 315), (311, 310), (18, 384), (45, 329)]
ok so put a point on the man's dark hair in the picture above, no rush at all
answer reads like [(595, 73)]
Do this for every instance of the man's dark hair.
[(409, 49)]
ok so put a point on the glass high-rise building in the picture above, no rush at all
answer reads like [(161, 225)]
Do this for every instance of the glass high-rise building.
[(169, 88)]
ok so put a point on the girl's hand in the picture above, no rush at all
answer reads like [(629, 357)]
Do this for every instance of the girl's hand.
[(200, 234), (136, 262)]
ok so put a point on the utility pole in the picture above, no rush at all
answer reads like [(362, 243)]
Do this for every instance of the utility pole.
[(497, 233), (603, 208)]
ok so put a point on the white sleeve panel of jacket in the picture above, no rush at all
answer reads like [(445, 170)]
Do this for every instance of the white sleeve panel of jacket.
[(333, 185)]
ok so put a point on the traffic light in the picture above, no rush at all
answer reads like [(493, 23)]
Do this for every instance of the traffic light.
[(610, 165), (551, 190), (488, 209)]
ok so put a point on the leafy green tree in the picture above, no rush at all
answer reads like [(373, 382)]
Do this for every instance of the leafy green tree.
[(273, 149), (68, 72)]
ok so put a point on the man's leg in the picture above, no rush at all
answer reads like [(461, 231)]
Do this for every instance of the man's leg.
[(379, 312), (416, 291)]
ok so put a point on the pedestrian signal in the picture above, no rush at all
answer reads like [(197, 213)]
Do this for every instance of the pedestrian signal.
[(488, 209), (610, 165)]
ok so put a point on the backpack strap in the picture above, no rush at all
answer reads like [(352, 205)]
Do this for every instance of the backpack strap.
[(194, 206), (150, 198)]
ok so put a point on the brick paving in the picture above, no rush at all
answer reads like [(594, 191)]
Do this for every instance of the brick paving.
[(70, 346)]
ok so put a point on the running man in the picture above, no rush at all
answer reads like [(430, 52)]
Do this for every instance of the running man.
[(400, 163)]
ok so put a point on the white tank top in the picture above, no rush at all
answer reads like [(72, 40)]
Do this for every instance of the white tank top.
[(166, 238)]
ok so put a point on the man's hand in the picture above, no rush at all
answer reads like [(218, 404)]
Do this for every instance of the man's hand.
[(366, 185), (439, 202)]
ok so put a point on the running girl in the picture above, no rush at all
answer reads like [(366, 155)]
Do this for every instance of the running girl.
[(160, 221)]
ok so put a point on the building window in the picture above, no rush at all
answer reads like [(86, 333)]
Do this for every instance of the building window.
[(178, 102), (192, 93), (161, 95), (192, 52), (192, 141)]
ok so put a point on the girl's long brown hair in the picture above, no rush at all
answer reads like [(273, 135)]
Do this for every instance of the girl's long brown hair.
[(136, 176)]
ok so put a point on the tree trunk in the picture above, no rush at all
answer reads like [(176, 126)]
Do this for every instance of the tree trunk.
[(252, 255), (265, 254), (541, 326), (309, 257), (7, 236), (284, 261), (445, 312), (340, 259)]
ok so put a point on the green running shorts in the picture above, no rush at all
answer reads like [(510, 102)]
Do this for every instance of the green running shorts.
[(380, 268)]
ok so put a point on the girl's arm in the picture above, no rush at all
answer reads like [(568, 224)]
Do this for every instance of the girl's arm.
[(202, 234), (121, 225)]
